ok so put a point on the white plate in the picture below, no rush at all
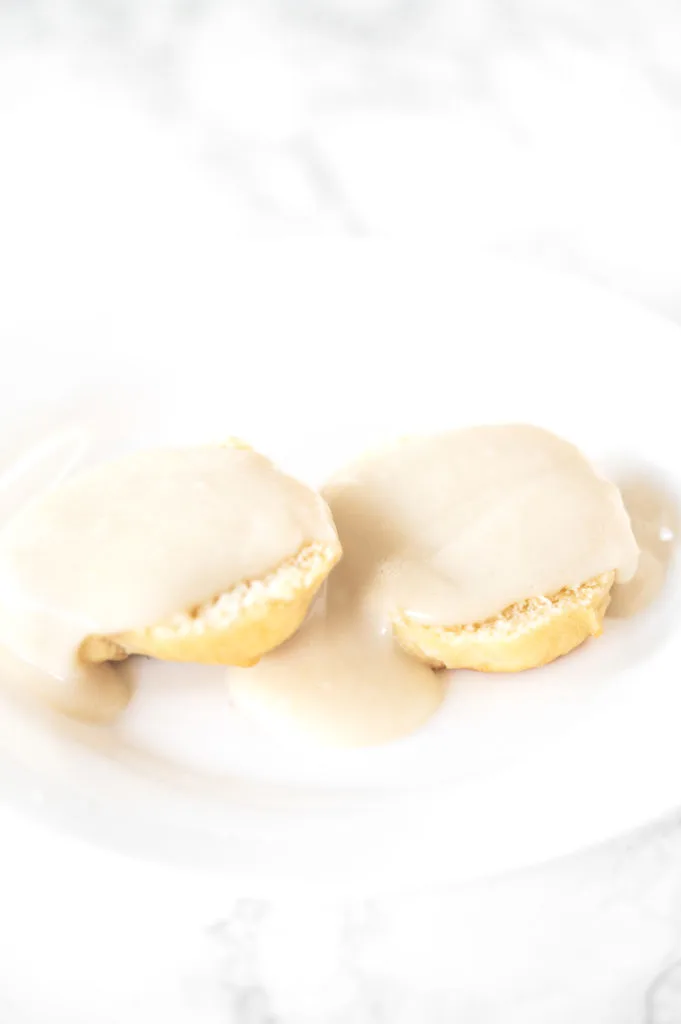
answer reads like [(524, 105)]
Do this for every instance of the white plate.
[(313, 355)]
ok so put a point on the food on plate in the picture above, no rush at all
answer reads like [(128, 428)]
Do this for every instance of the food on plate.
[(207, 554), (492, 548), (527, 634), (495, 547)]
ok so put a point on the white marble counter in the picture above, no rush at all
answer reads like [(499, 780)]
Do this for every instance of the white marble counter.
[(546, 128)]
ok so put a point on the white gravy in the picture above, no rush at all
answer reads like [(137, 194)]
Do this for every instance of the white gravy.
[(451, 529), (133, 542)]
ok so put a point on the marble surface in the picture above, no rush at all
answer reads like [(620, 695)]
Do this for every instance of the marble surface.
[(549, 129)]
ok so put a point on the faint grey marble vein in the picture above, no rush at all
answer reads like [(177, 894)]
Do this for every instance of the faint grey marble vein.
[(245, 998), (663, 999)]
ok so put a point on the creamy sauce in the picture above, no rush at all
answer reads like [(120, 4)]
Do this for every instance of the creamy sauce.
[(340, 683), (454, 528), (654, 514), (95, 694), (451, 529), (135, 541)]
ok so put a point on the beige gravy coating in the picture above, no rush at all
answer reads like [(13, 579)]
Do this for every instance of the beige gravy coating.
[(455, 528), (133, 542), (452, 529)]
